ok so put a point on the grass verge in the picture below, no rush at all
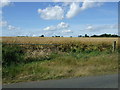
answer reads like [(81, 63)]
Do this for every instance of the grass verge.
[(62, 65)]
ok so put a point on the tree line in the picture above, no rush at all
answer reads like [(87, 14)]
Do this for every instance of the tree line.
[(102, 35)]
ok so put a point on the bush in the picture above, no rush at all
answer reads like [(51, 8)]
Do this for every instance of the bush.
[(12, 55)]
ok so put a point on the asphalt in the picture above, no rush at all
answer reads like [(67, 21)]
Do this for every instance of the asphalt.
[(105, 81)]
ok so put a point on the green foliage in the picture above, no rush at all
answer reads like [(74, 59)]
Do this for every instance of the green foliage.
[(11, 71), (71, 57), (16, 54), (62, 66), (12, 55)]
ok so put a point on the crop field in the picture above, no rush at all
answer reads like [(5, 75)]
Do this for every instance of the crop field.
[(42, 58), (58, 40)]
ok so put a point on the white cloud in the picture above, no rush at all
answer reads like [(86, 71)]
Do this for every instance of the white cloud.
[(58, 12), (4, 3), (67, 31), (115, 26), (3, 23), (50, 28), (49, 13), (86, 4), (10, 27), (101, 27), (75, 8), (59, 29), (60, 26), (90, 27)]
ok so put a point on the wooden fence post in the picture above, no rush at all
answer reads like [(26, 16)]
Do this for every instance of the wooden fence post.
[(114, 46)]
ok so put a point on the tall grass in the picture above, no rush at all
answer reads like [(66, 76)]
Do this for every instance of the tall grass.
[(63, 66), (74, 57), (12, 55)]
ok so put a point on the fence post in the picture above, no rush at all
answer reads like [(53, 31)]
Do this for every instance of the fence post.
[(114, 46)]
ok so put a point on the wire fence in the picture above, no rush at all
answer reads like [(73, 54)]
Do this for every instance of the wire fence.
[(26, 44)]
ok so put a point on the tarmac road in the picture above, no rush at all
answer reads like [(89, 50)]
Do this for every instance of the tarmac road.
[(105, 81)]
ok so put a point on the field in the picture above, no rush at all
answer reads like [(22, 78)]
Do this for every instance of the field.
[(56, 58), (58, 40)]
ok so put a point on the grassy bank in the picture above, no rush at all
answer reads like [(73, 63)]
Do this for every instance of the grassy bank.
[(23, 63), (62, 65)]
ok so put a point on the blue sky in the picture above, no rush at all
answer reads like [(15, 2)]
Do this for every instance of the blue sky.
[(64, 19)]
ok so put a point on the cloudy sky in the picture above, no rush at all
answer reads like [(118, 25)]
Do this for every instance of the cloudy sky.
[(54, 18)]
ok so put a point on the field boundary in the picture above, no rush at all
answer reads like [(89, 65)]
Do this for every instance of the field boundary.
[(26, 44)]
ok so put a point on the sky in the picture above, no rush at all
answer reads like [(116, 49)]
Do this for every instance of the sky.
[(58, 18)]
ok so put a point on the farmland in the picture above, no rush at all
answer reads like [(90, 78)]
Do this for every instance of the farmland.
[(58, 40), (57, 57)]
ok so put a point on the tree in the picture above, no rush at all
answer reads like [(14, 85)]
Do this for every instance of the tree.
[(57, 36), (105, 35), (94, 36), (86, 35), (79, 35), (42, 36)]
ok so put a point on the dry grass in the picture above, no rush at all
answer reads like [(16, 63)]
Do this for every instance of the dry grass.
[(57, 40), (76, 57), (63, 67)]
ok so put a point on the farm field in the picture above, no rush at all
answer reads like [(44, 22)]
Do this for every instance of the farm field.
[(58, 40), (56, 58)]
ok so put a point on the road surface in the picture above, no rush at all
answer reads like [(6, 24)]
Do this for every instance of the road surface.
[(106, 81)]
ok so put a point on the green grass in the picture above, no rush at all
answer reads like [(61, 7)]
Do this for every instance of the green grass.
[(62, 65), (74, 57), (12, 55)]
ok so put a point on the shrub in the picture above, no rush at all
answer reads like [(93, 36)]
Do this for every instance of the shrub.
[(12, 55)]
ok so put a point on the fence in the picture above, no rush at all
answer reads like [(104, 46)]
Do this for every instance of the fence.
[(113, 45)]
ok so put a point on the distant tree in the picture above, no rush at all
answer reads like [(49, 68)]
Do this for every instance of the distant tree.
[(94, 36), (71, 36), (105, 35), (42, 36), (86, 35), (79, 35), (21, 36), (57, 36), (115, 35)]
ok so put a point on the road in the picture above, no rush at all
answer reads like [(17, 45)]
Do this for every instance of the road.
[(106, 81)]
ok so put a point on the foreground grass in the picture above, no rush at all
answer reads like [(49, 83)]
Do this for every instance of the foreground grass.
[(73, 57), (64, 65)]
